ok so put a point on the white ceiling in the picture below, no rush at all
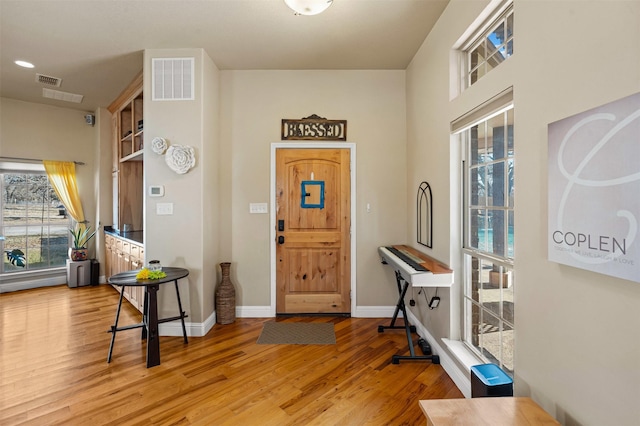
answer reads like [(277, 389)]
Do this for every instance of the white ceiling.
[(96, 46)]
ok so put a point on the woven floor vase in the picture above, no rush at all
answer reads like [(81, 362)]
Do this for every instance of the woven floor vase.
[(225, 297)]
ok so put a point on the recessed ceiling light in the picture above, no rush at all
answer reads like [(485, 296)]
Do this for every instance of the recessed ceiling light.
[(308, 7), (24, 64)]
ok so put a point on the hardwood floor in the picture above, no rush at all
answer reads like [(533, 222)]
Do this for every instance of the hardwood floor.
[(53, 370)]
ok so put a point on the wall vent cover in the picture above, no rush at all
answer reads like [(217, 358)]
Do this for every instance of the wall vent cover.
[(172, 79), (48, 80)]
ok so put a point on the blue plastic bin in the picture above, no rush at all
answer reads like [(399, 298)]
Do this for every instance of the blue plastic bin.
[(489, 380)]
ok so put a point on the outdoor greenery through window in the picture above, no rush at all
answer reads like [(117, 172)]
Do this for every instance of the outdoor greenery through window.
[(488, 237), (33, 221), (491, 48)]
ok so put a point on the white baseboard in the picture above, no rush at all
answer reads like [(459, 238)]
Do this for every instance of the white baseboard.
[(194, 329), (253, 312), (374, 312), (35, 282), (461, 378)]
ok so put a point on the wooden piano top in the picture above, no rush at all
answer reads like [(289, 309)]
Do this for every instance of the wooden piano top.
[(430, 263)]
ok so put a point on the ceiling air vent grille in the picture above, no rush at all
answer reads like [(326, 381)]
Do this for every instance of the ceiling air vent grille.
[(48, 80), (172, 79), (61, 96)]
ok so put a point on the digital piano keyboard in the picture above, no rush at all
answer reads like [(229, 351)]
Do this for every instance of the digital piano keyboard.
[(415, 267)]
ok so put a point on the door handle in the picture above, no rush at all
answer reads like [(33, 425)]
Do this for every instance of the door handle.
[(281, 239)]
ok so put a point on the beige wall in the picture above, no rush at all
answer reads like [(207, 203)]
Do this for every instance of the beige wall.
[(432, 157), (583, 319), (253, 105), (574, 347), (187, 238), (103, 184), (46, 132), (211, 181)]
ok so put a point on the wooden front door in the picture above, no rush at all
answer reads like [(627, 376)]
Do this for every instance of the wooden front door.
[(313, 258)]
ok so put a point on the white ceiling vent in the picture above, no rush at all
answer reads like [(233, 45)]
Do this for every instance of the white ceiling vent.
[(48, 80), (61, 96), (172, 79)]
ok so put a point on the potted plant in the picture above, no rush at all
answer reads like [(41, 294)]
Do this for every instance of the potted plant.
[(81, 236)]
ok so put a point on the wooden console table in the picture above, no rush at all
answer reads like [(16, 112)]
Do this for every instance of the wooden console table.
[(485, 411)]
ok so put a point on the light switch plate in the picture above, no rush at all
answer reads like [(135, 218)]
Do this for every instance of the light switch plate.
[(258, 208), (164, 209)]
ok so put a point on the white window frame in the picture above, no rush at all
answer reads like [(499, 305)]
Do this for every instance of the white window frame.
[(497, 14), (27, 169), (495, 107)]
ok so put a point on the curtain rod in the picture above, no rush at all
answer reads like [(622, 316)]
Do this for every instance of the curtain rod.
[(33, 160)]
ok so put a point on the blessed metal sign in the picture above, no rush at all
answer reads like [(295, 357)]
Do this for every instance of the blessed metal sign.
[(314, 128)]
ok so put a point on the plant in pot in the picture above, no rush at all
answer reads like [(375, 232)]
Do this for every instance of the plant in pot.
[(81, 236)]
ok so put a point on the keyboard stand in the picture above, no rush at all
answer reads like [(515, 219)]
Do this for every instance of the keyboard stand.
[(400, 306)]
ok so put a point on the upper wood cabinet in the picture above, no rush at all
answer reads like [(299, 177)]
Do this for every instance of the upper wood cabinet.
[(128, 109), (131, 129), (128, 140)]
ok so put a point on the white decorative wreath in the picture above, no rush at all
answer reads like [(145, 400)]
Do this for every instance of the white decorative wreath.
[(180, 158), (159, 145)]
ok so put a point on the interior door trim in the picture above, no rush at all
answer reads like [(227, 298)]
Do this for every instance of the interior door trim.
[(272, 211)]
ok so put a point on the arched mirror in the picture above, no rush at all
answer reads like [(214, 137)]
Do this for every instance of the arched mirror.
[(424, 217)]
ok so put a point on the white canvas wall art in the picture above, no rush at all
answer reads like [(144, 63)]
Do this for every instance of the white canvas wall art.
[(594, 189)]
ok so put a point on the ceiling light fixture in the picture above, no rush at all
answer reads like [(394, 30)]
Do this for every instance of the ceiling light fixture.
[(308, 7), (24, 64)]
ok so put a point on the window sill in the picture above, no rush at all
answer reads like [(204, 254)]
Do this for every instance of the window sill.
[(462, 354)]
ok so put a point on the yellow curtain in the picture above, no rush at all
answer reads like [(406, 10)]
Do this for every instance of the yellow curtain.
[(62, 175)]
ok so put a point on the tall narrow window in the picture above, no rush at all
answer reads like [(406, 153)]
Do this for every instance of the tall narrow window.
[(488, 226), (33, 221)]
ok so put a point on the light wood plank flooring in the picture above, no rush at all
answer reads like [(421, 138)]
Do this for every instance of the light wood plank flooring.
[(53, 370)]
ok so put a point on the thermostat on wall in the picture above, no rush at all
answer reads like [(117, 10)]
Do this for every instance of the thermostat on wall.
[(156, 191)]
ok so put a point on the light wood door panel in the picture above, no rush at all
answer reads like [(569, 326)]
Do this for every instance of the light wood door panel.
[(313, 246)]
